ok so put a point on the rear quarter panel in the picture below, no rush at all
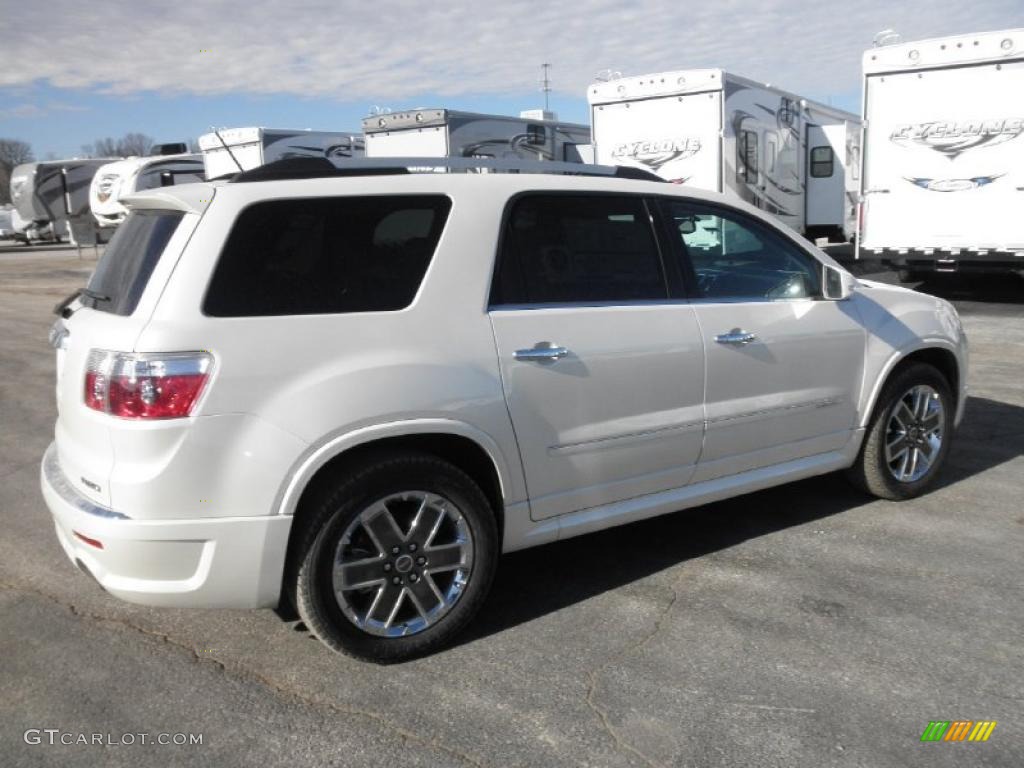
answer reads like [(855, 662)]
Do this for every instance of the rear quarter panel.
[(320, 377)]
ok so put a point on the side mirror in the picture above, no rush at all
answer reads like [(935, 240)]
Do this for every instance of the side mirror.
[(837, 284)]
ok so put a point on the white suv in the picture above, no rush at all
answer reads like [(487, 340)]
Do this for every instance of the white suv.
[(352, 388)]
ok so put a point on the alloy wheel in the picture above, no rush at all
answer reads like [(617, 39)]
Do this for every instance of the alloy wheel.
[(914, 434), (403, 563)]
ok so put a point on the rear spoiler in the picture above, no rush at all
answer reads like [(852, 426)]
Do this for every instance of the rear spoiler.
[(190, 198)]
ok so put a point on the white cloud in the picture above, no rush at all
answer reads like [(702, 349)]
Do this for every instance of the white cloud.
[(395, 52)]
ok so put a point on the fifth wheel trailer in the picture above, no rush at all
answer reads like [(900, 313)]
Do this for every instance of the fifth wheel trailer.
[(943, 175), (534, 135), (707, 128), (125, 177), (231, 150), (47, 195)]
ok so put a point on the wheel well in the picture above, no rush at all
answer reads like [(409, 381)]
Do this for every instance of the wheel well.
[(942, 359), (460, 451)]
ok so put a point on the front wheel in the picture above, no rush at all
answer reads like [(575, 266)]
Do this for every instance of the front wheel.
[(397, 559), (909, 435)]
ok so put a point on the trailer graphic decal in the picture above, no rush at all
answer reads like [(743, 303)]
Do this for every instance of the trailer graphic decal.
[(953, 185), (657, 153), (952, 138)]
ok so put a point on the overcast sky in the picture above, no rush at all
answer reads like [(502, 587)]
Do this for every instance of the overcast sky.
[(71, 72)]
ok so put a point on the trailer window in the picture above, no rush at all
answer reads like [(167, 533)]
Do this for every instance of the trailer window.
[(331, 255), (746, 162), (822, 162)]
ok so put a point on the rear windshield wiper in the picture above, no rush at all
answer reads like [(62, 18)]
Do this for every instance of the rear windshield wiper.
[(62, 308), (94, 296)]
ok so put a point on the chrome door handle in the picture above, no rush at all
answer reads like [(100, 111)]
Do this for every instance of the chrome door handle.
[(544, 351), (735, 336)]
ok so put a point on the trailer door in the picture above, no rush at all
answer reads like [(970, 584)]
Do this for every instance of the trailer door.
[(826, 177), (676, 137), (944, 158)]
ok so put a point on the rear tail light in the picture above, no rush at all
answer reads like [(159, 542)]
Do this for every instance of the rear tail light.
[(145, 386)]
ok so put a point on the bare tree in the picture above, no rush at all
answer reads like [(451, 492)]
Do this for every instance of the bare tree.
[(134, 144), (101, 148), (129, 144), (12, 152)]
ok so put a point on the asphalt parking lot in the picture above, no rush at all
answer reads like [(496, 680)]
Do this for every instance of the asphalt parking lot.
[(804, 625)]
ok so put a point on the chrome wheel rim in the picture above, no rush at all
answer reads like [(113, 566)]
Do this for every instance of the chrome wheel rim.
[(403, 563), (913, 436)]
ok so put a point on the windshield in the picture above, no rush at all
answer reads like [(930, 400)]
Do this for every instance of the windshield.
[(129, 260)]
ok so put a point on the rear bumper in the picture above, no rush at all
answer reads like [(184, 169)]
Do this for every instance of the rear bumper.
[(235, 562)]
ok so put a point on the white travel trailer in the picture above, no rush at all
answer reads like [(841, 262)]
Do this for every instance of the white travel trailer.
[(6, 228), (47, 195), (534, 135), (230, 150), (707, 128), (124, 177), (943, 174)]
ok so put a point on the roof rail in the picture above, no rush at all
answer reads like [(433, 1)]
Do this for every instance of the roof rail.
[(322, 167)]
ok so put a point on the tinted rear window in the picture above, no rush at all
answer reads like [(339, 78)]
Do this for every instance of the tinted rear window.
[(129, 259), (578, 249), (326, 256)]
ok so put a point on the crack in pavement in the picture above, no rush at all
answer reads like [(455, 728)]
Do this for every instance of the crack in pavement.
[(244, 674), (594, 677)]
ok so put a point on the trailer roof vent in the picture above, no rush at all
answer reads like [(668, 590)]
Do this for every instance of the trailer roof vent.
[(887, 37), (538, 114)]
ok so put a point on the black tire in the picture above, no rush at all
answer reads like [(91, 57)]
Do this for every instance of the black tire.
[(871, 472), (911, 275), (334, 513)]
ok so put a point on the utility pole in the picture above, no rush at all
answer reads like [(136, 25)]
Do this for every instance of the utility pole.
[(545, 84)]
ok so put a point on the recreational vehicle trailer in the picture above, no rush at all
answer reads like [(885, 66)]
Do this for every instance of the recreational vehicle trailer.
[(707, 128), (47, 194), (6, 228), (123, 177), (943, 175), (534, 135), (230, 150)]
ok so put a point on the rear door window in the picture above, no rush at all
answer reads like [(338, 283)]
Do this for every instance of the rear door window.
[(326, 256), (578, 249), (129, 260)]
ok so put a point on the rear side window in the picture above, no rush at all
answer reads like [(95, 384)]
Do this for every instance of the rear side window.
[(129, 259), (746, 161), (578, 249), (326, 256)]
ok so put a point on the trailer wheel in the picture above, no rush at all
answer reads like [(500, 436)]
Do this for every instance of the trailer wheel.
[(910, 275)]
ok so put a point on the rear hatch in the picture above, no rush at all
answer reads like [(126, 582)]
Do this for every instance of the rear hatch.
[(109, 315)]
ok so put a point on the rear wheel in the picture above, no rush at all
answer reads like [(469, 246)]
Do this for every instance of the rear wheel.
[(909, 435), (396, 560)]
